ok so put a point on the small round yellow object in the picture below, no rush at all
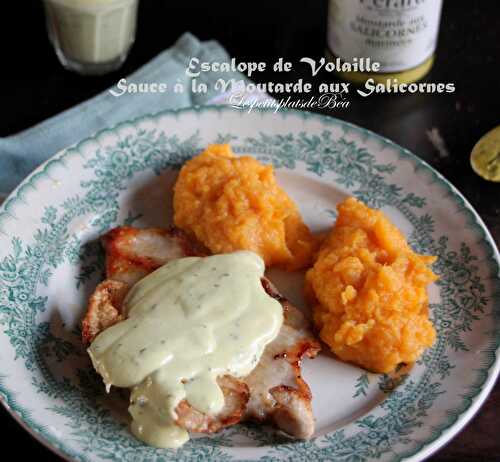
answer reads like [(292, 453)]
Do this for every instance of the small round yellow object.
[(485, 156)]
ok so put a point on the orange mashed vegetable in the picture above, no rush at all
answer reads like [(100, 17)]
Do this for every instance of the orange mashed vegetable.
[(368, 289), (234, 203)]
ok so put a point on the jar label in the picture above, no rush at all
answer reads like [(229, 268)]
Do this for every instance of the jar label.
[(399, 34)]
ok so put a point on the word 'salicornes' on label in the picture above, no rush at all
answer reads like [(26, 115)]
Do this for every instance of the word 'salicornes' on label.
[(399, 34)]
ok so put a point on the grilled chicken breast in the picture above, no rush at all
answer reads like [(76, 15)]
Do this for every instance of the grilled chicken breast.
[(274, 391)]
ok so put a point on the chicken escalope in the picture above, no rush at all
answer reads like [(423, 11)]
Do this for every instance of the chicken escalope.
[(273, 392)]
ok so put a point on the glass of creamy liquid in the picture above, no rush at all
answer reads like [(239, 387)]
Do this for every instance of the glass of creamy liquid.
[(91, 37)]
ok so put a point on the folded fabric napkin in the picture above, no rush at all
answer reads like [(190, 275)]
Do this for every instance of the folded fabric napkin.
[(21, 153)]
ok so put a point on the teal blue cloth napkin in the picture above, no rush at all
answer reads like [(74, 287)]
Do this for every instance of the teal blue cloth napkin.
[(21, 153)]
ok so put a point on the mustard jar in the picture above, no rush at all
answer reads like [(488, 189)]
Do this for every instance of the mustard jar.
[(400, 35)]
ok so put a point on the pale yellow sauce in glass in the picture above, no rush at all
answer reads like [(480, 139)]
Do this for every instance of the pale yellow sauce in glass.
[(188, 322)]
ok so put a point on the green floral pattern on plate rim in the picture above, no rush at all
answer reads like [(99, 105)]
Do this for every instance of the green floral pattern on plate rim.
[(319, 147)]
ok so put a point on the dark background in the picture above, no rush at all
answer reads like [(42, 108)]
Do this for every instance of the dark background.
[(34, 86)]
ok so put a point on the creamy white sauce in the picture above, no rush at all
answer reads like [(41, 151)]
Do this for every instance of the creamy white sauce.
[(190, 321), (92, 31)]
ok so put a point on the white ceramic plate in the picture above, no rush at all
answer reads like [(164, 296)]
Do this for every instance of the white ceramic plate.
[(50, 262)]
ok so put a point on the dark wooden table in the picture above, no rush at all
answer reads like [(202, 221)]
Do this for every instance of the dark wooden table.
[(34, 87)]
